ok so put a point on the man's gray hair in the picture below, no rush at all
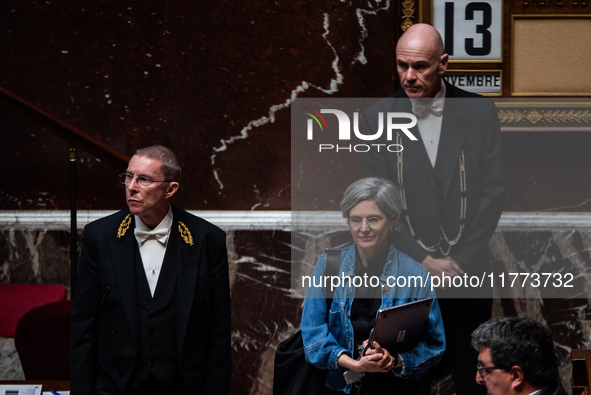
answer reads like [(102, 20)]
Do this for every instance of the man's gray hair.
[(519, 341), (383, 192), (170, 168)]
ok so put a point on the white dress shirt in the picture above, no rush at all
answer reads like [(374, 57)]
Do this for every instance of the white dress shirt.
[(153, 248), (538, 391), (429, 123)]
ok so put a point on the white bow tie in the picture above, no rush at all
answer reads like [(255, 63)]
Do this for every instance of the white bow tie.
[(142, 235), (420, 108)]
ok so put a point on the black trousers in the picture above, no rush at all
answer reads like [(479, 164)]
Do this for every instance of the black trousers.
[(150, 386), (382, 383)]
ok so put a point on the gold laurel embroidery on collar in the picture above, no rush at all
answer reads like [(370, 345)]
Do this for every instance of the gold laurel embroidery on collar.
[(185, 233), (124, 226)]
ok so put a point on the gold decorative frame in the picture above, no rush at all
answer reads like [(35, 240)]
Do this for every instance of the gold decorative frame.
[(483, 71), (408, 13), (475, 61)]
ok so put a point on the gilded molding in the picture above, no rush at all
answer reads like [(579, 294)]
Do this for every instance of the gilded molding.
[(408, 13), (553, 3), (545, 116)]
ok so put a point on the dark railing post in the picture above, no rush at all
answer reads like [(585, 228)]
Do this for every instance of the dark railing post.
[(73, 223)]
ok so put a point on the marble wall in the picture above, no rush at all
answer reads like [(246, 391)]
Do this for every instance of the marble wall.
[(264, 311), (214, 80)]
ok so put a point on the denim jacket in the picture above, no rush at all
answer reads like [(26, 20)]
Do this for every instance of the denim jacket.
[(324, 342)]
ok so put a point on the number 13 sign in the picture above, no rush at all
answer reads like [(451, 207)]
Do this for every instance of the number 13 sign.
[(471, 30)]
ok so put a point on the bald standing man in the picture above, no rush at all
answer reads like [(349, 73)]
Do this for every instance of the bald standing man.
[(452, 179)]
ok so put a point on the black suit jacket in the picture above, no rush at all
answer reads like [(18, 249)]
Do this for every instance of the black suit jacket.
[(104, 330), (470, 123), (557, 389)]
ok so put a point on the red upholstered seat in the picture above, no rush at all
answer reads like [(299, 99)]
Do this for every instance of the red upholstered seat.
[(42, 340), (17, 299)]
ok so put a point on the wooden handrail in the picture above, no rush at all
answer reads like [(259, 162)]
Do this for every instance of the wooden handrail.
[(90, 143)]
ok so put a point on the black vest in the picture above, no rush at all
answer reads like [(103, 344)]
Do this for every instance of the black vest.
[(438, 175), (157, 351), (437, 172)]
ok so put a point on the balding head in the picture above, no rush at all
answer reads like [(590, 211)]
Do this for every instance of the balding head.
[(421, 60), (422, 36)]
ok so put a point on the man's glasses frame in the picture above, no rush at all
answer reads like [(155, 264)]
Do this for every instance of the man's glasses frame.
[(486, 369), (142, 181)]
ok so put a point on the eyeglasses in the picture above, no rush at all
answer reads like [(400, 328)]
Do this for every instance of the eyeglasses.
[(372, 222), (142, 181), (485, 369)]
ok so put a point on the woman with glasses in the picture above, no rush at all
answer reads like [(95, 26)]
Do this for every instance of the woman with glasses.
[(336, 340)]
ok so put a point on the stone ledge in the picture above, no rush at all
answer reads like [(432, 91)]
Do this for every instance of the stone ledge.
[(279, 220)]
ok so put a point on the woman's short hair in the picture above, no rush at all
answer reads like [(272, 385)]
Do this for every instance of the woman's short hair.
[(171, 170), (383, 192)]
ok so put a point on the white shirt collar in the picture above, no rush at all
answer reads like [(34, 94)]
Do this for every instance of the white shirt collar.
[(166, 222), (536, 392), (437, 101)]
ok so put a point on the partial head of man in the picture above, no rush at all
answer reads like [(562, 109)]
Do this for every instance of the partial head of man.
[(151, 179), (516, 356), (421, 61)]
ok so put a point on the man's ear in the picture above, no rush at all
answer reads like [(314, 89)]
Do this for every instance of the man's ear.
[(443, 62), (518, 377), (173, 186)]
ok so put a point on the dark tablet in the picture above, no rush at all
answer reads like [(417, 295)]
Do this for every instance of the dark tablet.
[(400, 326)]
